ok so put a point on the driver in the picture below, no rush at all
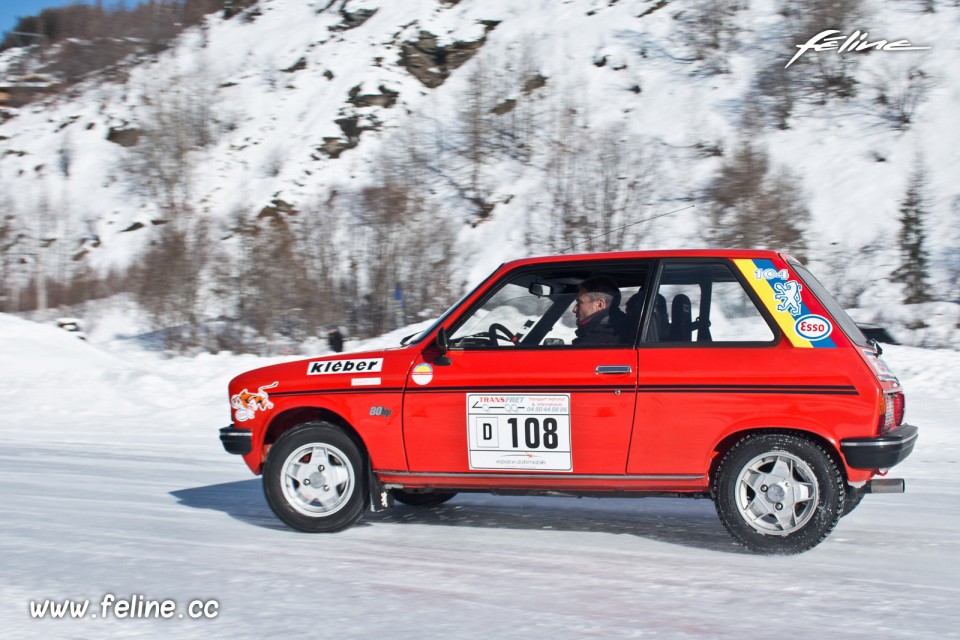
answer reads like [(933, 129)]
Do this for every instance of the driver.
[(593, 309)]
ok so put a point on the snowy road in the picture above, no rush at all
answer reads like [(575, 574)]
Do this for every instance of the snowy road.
[(113, 482)]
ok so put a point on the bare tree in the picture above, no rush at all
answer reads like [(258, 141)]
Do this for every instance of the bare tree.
[(951, 252), (598, 181), (814, 77), (710, 28), (826, 75), (840, 272), (177, 120), (475, 134), (11, 237), (517, 109), (166, 283), (162, 167), (567, 147), (318, 251), (399, 240), (776, 93), (617, 177), (756, 205), (900, 90), (498, 119)]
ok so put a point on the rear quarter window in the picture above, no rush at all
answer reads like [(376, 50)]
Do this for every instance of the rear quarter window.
[(840, 316)]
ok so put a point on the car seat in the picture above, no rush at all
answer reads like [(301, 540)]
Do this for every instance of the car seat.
[(681, 321)]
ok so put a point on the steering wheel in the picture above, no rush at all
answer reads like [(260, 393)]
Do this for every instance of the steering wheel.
[(498, 331)]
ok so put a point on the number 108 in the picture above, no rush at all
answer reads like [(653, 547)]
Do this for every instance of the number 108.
[(534, 433)]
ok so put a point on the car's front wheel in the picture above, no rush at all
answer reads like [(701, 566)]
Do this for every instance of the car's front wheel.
[(313, 478), (778, 493)]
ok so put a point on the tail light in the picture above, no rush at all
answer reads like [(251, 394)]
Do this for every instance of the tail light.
[(892, 405), (899, 406)]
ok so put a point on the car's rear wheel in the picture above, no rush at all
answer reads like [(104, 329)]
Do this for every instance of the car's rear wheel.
[(422, 498), (854, 498), (313, 478), (778, 493)]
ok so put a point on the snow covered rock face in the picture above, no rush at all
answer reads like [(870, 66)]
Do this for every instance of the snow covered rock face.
[(432, 63), (513, 129)]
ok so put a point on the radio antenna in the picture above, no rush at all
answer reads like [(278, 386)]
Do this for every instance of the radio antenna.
[(626, 226)]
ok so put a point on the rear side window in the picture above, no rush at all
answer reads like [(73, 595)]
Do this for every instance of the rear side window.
[(704, 302), (826, 299)]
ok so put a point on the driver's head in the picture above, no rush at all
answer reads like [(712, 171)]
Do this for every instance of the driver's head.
[(595, 293)]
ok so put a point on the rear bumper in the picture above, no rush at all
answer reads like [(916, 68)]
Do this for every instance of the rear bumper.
[(880, 452), (237, 441)]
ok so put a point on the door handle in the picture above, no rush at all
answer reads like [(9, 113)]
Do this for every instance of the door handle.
[(613, 369)]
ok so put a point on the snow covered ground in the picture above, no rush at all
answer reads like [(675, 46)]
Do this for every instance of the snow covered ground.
[(113, 481)]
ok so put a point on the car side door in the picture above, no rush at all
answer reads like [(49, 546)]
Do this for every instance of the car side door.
[(512, 394)]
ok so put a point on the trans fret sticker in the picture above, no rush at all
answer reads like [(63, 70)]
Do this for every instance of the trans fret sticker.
[(528, 433)]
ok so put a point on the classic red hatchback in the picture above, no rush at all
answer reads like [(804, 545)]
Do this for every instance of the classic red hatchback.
[(726, 374)]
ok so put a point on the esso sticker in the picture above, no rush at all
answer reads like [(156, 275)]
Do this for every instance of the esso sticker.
[(813, 327)]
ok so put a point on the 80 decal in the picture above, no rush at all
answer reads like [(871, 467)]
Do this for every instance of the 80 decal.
[(813, 327)]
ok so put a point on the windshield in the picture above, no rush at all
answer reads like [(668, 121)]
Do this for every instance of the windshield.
[(512, 306), (436, 323)]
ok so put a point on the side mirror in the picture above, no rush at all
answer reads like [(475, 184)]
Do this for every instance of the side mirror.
[(443, 345)]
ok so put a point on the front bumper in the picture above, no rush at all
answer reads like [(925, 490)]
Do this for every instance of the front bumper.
[(880, 452), (237, 441)]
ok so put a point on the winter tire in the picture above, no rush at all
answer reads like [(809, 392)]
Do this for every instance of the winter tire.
[(854, 498), (422, 498), (778, 493), (313, 478)]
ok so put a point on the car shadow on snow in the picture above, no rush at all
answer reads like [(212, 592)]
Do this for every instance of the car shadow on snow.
[(242, 500), (686, 522), (690, 523)]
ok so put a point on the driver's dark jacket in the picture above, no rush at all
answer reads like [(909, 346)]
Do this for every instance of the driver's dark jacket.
[(597, 329)]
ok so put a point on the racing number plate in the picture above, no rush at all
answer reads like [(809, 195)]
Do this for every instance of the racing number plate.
[(530, 433)]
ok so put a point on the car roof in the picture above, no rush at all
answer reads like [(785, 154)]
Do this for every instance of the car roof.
[(641, 255)]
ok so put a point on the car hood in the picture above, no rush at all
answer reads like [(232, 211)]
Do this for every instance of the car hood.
[(334, 372)]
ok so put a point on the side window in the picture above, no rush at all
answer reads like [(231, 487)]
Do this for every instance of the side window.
[(564, 331), (703, 302), (553, 308)]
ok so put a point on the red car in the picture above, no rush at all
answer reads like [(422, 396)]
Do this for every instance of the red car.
[(732, 375)]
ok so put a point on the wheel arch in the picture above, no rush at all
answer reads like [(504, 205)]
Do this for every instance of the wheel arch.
[(287, 420), (722, 447)]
